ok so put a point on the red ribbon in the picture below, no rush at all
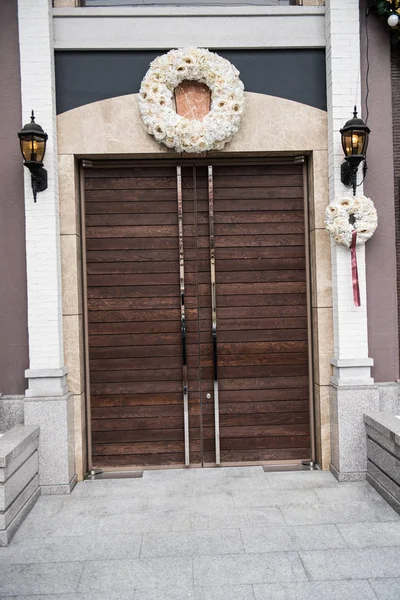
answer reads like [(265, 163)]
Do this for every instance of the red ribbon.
[(354, 270)]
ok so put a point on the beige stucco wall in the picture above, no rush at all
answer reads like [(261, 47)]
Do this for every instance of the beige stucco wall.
[(271, 126)]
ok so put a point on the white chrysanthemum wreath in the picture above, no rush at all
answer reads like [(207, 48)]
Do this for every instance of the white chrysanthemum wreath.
[(348, 215), (156, 100)]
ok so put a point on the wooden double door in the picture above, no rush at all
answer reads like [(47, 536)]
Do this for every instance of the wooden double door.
[(197, 314)]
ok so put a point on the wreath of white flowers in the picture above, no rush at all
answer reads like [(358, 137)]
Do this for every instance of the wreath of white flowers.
[(346, 215), (156, 100)]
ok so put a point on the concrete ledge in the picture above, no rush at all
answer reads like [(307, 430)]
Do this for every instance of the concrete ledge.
[(19, 478), (15, 447), (11, 487), (383, 453), (7, 534)]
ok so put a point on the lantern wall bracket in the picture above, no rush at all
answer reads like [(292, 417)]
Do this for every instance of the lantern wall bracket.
[(348, 171), (38, 178)]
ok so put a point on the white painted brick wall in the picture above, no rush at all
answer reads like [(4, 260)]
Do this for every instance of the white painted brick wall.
[(343, 91), (42, 218)]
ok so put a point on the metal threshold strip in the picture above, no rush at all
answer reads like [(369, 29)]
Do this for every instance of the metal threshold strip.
[(97, 474)]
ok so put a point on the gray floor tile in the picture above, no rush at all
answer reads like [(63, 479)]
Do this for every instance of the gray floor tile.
[(386, 589), (90, 548), (348, 492), (186, 523), (59, 525), (305, 537), (359, 535), (311, 590), (235, 485), (275, 498), (316, 537), (102, 506), (194, 543), (226, 592), (152, 573), (40, 578), (153, 520), (267, 539), (232, 518), (110, 488), (352, 563), (195, 500), (338, 513), (20, 552), (47, 506), (301, 480), (38, 522), (205, 473), (77, 596), (249, 568)]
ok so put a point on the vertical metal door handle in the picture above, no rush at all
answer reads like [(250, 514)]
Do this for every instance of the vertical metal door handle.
[(214, 312), (183, 317)]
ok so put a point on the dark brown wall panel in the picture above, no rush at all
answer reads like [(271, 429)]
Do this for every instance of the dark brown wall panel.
[(13, 302), (381, 249)]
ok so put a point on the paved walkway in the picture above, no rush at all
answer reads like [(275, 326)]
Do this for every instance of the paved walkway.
[(207, 534)]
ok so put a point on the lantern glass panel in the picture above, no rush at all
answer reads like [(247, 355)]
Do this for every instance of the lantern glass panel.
[(354, 142), (33, 148)]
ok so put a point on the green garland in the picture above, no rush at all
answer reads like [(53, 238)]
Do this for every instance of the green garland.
[(383, 9)]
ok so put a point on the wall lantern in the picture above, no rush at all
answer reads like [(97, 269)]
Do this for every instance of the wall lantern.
[(354, 141), (33, 140)]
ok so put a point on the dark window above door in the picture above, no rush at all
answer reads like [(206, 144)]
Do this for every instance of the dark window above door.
[(189, 2)]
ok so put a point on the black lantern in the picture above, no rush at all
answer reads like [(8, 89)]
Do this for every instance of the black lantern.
[(33, 140), (354, 142)]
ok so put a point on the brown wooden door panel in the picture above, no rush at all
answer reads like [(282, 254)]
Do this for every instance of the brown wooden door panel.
[(135, 351)]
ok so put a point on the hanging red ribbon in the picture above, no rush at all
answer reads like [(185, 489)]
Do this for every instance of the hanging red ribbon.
[(354, 270)]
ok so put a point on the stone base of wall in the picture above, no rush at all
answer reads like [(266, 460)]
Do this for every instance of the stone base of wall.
[(55, 417), (348, 404), (19, 478), (383, 454), (348, 444), (11, 412)]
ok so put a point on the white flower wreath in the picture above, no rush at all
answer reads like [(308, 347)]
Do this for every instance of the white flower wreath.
[(157, 106), (346, 215)]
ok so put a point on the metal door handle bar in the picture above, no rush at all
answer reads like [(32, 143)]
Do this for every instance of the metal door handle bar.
[(214, 312), (183, 316)]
